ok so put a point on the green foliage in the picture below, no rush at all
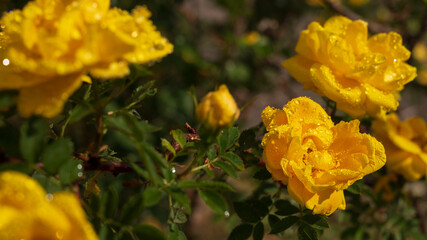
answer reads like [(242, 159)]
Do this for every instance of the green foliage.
[(33, 138)]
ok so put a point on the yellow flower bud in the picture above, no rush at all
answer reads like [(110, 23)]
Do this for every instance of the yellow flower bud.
[(217, 109), (27, 212)]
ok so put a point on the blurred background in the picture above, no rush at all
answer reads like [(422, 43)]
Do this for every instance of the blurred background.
[(242, 43)]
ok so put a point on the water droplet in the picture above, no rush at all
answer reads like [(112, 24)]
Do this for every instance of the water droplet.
[(226, 213), (79, 166), (49, 197), (79, 174), (6, 62), (395, 60), (173, 170), (134, 34)]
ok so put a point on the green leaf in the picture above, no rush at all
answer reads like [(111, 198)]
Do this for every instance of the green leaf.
[(283, 224), (417, 235), (234, 159), (166, 144), (128, 124), (9, 139), (355, 188), (285, 208), (132, 209), (79, 112), (56, 154), (262, 174), (205, 185), (305, 232), (227, 168), (7, 99), (212, 152), (214, 200), (20, 167), (245, 211), (147, 157), (174, 233), (151, 196), (258, 233), (180, 217), (109, 202), (50, 184), (109, 154), (241, 232), (179, 137), (141, 92), (259, 207), (316, 221), (247, 139), (143, 173), (154, 155), (227, 138), (33, 138), (273, 219), (182, 198), (69, 172), (148, 232)]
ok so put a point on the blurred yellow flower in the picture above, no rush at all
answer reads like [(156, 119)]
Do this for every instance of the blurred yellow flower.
[(405, 144), (48, 48), (316, 159), (422, 77), (217, 109), (384, 187), (252, 38), (420, 52), (27, 212), (363, 76)]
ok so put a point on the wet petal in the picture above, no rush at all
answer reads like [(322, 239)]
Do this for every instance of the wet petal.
[(345, 92), (47, 99)]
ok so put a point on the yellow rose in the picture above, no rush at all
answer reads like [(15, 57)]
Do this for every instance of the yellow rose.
[(217, 109), (405, 144), (316, 159), (27, 212), (363, 76), (48, 48)]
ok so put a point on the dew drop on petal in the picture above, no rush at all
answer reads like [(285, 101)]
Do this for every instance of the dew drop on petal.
[(79, 174), (79, 166), (6, 62), (49, 197)]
